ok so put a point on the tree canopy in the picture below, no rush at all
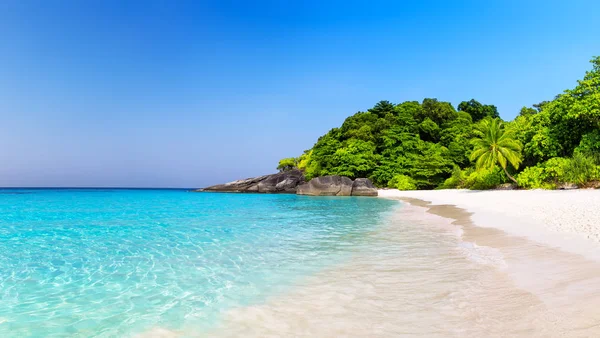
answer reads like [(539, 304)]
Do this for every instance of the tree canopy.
[(428, 144)]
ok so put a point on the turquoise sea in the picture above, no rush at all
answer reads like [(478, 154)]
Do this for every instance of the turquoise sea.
[(117, 262)]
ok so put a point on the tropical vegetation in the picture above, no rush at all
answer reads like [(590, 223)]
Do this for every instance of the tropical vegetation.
[(495, 146), (431, 144)]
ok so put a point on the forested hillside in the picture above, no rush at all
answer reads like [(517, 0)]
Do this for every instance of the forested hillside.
[(431, 144)]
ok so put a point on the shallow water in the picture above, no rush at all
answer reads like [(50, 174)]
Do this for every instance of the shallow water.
[(107, 262)]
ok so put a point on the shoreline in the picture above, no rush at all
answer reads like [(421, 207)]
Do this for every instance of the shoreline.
[(432, 271), (567, 220), (562, 284)]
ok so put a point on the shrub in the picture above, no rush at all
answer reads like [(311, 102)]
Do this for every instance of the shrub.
[(580, 169), (287, 164), (590, 146), (485, 179), (555, 169), (456, 180), (534, 178), (402, 182), (312, 170), (304, 160)]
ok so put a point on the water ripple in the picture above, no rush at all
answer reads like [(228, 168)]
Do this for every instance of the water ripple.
[(117, 263)]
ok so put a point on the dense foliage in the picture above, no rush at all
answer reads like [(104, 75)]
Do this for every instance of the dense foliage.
[(430, 144)]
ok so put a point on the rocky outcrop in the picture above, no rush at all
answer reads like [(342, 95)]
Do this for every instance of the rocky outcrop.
[(363, 187), (292, 182), (326, 186), (337, 186), (284, 182)]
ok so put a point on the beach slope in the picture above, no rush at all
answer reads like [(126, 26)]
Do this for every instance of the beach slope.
[(569, 220)]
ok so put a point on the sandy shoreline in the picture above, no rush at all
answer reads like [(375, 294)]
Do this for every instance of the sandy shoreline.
[(569, 220), (431, 271), (439, 270)]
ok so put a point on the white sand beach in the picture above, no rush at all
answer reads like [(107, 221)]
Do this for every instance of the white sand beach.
[(569, 220)]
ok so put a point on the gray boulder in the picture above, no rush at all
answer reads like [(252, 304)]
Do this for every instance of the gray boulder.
[(363, 187), (506, 186), (283, 182), (326, 186)]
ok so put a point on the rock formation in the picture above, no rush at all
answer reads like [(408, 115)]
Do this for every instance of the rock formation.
[(326, 186), (337, 186), (363, 187), (293, 182), (283, 182)]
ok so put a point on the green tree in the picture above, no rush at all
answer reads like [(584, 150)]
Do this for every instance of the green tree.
[(477, 110), (524, 129), (356, 159), (590, 146), (438, 111), (454, 136), (395, 156), (427, 141), (495, 146), (561, 123), (287, 164), (429, 130), (360, 125), (526, 111), (540, 106), (430, 166), (382, 108), (323, 151)]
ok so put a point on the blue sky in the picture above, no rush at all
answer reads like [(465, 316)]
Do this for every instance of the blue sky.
[(191, 93)]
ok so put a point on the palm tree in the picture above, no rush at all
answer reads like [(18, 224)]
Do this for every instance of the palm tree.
[(495, 145)]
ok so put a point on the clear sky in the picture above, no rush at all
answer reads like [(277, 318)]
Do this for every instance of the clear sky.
[(190, 93)]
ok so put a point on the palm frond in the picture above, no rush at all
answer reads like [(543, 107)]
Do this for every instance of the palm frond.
[(495, 145), (510, 144), (501, 159), (478, 152), (512, 156), (481, 160)]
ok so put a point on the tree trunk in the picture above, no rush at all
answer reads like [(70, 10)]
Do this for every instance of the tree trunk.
[(512, 178)]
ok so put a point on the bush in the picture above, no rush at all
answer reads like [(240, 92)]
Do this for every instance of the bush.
[(578, 170), (304, 160), (534, 178), (457, 180), (485, 179), (287, 164), (555, 169), (590, 146), (312, 170), (402, 182)]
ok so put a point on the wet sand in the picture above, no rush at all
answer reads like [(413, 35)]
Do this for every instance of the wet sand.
[(567, 219)]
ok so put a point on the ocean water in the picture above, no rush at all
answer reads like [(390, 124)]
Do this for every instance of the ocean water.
[(171, 263), (119, 263)]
